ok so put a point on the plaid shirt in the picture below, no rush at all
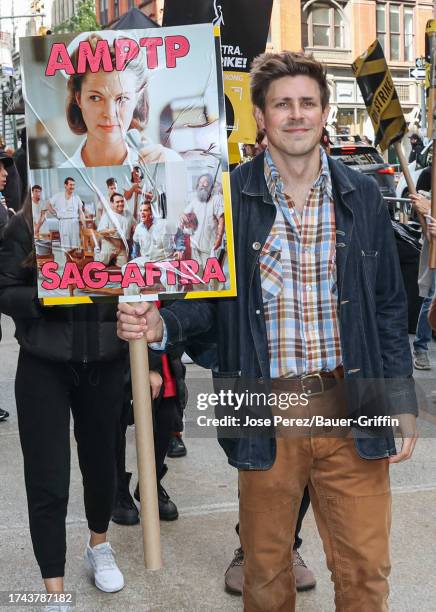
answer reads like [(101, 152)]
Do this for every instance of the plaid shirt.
[(298, 275)]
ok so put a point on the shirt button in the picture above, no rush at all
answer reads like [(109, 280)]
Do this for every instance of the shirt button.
[(256, 246), (309, 287), (258, 312)]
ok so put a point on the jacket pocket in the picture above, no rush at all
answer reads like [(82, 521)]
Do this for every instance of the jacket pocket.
[(271, 269)]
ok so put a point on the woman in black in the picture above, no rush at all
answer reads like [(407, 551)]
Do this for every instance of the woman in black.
[(70, 359)]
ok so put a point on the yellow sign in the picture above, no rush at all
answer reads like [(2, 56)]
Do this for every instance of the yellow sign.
[(239, 109), (381, 99)]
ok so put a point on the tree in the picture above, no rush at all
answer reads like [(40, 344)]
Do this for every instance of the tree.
[(84, 19)]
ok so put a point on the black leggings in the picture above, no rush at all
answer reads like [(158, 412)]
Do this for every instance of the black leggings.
[(45, 391), (164, 421)]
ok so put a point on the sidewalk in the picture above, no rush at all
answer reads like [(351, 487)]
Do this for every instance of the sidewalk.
[(199, 546)]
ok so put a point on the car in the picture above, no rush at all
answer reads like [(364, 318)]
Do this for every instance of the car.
[(415, 168), (366, 159)]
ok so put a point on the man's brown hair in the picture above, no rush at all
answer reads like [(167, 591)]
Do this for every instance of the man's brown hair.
[(269, 67)]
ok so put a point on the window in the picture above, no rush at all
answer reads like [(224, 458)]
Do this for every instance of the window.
[(381, 25), (395, 31), (103, 12), (116, 9), (130, 4), (408, 34), (323, 26)]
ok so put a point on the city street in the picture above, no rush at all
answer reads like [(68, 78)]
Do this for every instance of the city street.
[(198, 547)]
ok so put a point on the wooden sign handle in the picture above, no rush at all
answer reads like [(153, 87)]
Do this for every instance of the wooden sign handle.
[(142, 409)]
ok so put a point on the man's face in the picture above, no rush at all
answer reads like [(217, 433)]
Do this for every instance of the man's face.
[(70, 187), (113, 189), (3, 176), (136, 175), (293, 117), (146, 215), (118, 205), (203, 189), (36, 194)]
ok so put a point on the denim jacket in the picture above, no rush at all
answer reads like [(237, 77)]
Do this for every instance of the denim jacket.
[(229, 334)]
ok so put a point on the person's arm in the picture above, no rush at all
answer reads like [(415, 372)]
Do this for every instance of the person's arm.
[(51, 209), (135, 188), (18, 290), (219, 232), (392, 325), (155, 383), (179, 321), (420, 203)]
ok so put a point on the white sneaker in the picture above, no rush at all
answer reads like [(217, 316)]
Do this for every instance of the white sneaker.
[(101, 561)]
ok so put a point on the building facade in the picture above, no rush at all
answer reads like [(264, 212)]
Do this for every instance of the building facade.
[(62, 10), (108, 11), (337, 32)]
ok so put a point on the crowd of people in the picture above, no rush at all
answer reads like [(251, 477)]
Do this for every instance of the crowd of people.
[(132, 224), (321, 307)]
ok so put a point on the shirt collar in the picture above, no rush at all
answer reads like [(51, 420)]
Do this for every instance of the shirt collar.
[(275, 183)]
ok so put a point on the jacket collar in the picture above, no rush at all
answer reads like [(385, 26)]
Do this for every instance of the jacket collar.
[(255, 184)]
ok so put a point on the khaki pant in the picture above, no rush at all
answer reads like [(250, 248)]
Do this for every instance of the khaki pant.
[(351, 501)]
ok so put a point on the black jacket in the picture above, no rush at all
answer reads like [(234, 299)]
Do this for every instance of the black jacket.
[(13, 190), (372, 309), (84, 333)]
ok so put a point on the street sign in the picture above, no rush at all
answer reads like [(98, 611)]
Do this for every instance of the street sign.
[(420, 62), (417, 73)]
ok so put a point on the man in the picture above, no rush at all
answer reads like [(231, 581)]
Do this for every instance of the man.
[(426, 277), (112, 186), (320, 308), (39, 212), (67, 207), (135, 191), (115, 230), (417, 147), (153, 239), (209, 210)]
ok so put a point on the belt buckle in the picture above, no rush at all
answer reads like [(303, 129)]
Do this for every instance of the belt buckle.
[(309, 391)]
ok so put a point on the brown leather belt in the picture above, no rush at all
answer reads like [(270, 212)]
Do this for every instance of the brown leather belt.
[(310, 384)]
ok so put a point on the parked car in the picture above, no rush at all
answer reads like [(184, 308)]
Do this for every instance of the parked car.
[(415, 168), (365, 158)]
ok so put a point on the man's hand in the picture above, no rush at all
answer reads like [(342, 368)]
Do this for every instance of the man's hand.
[(420, 203), (139, 321), (155, 383), (409, 434)]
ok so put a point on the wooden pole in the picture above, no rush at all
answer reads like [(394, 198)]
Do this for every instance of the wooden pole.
[(410, 184), (142, 409), (432, 254)]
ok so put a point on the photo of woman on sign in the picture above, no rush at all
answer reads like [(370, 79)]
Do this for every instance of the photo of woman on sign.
[(111, 108)]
